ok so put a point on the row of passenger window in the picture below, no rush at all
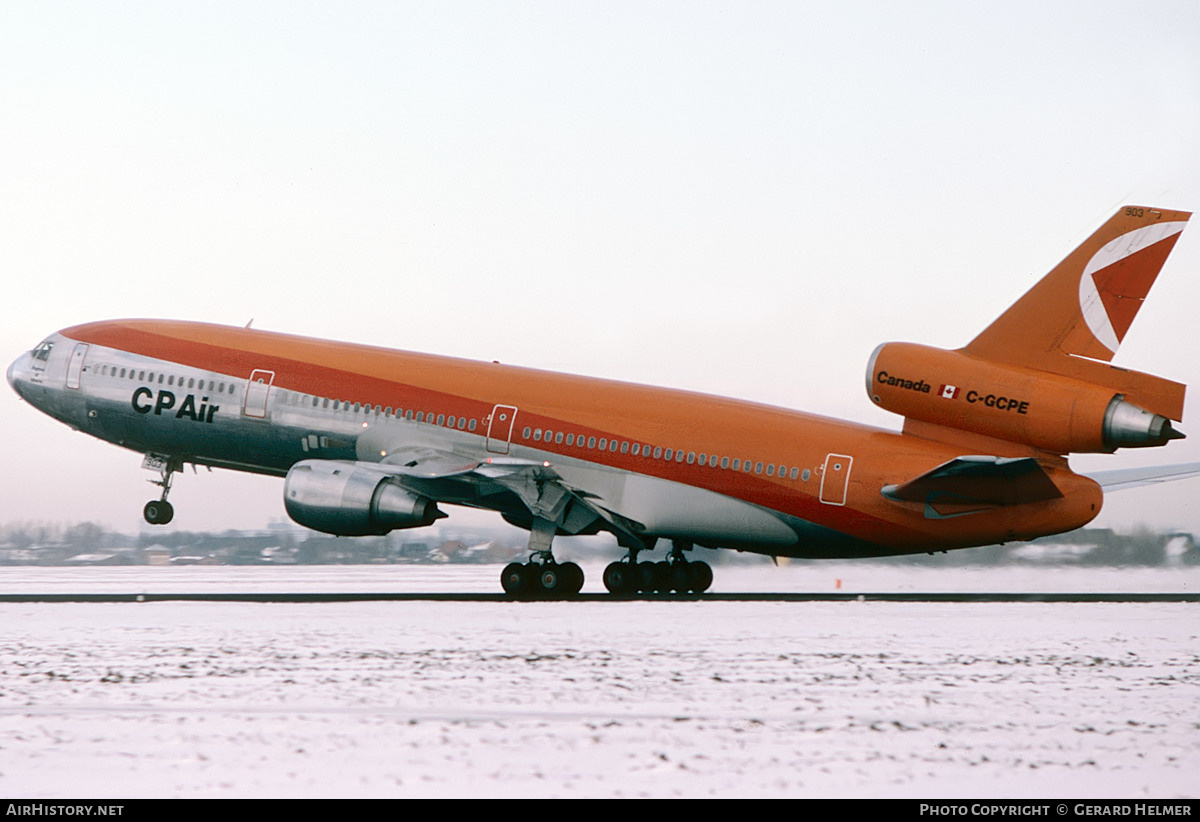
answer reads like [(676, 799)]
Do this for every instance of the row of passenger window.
[(657, 452), (446, 421), (170, 380), (289, 397), (462, 423)]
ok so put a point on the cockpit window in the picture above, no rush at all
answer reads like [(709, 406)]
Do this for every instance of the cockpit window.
[(42, 352)]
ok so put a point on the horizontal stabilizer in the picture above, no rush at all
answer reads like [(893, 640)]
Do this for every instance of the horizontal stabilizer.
[(972, 480), (1122, 478)]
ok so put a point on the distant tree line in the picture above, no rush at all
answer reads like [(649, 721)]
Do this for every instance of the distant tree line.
[(35, 543)]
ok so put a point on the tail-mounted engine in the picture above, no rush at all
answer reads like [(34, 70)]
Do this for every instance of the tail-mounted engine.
[(350, 500), (1051, 412)]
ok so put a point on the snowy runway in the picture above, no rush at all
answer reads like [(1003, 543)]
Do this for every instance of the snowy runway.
[(719, 699)]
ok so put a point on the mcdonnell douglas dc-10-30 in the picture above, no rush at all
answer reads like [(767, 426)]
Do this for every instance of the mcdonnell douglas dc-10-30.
[(369, 440)]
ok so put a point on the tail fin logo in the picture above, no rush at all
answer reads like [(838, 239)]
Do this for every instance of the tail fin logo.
[(1118, 277)]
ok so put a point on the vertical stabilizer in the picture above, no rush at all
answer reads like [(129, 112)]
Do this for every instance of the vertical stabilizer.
[(1073, 320)]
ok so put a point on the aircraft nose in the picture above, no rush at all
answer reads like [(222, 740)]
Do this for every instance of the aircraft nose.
[(16, 372)]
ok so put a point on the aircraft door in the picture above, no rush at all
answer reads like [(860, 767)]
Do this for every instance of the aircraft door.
[(258, 390), (75, 366), (500, 428), (835, 478)]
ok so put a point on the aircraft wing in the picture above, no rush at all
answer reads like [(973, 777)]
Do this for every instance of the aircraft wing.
[(426, 463), (970, 484), (539, 491), (1120, 479)]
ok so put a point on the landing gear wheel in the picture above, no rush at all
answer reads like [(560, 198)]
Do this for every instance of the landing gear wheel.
[(645, 577), (515, 578), (621, 578), (702, 576), (158, 512), (551, 581), (662, 577), (682, 578), (574, 575), (556, 580)]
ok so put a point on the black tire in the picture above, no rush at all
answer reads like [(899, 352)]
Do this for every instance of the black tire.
[(158, 512), (662, 576), (575, 578), (621, 578), (702, 577), (551, 581), (514, 579), (644, 578), (683, 579)]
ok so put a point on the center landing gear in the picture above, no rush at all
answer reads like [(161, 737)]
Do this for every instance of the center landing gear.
[(159, 511), (675, 574), (542, 576)]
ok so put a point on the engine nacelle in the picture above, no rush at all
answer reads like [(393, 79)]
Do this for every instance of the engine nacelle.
[(1047, 411), (350, 500)]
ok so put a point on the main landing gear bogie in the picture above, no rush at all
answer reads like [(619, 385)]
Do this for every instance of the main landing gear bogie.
[(675, 574), (627, 578), (544, 579)]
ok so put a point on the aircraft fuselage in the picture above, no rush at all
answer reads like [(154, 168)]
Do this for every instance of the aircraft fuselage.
[(676, 465)]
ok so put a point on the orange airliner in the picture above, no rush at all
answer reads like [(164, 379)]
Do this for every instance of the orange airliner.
[(370, 440)]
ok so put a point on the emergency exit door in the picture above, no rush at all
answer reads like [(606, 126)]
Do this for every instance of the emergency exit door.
[(500, 428), (835, 479), (258, 390)]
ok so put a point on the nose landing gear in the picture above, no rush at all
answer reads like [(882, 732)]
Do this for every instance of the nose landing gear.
[(159, 511)]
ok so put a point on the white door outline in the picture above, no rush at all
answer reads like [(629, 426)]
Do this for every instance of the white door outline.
[(500, 428), (258, 390), (75, 366), (835, 478)]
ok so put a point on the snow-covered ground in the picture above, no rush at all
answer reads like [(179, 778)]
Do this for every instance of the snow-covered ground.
[(855, 699)]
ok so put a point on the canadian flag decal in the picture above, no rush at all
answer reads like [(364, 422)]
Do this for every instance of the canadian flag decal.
[(949, 391)]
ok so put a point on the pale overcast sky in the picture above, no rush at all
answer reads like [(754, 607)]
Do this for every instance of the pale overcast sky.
[(740, 198)]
